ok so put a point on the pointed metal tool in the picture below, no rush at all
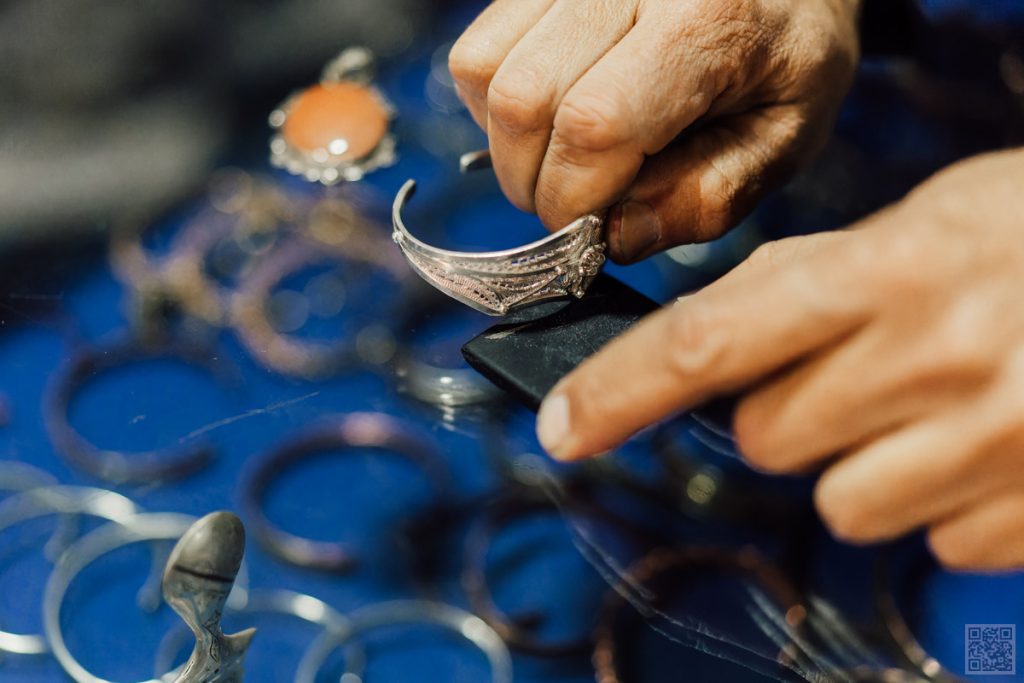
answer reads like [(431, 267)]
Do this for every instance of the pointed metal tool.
[(197, 580)]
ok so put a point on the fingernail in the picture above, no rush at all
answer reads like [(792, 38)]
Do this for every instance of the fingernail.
[(639, 230), (553, 424)]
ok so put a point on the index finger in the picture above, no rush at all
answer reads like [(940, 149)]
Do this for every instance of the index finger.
[(749, 325)]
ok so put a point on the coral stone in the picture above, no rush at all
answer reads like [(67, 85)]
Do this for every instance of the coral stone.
[(347, 120)]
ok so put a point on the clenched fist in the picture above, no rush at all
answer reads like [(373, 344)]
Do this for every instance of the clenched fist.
[(677, 114), (891, 355)]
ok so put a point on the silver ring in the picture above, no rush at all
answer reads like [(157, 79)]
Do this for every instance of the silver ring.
[(140, 528), (499, 282), (471, 627)]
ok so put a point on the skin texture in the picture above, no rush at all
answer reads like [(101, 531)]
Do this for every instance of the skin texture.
[(889, 355), (676, 115)]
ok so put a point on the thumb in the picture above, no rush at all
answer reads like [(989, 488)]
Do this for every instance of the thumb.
[(698, 189)]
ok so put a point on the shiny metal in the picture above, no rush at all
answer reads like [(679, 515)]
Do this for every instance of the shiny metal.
[(444, 387), (346, 434), (160, 464), (19, 476), (65, 501), (197, 581), (402, 612), (499, 282), (140, 528)]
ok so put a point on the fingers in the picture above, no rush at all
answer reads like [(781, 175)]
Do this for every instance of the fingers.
[(874, 382), (533, 80), (906, 480), (709, 343), (480, 51), (640, 96), (987, 537), (699, 189)]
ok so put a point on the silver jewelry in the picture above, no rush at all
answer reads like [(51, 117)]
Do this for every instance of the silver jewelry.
[(140, 528), (499, 282), (65, 501), (17, 477), (446, 388), (197, 580), (467, 625), (349, 433), (333, 163)]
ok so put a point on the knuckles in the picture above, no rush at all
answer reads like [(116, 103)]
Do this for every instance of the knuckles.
[(518, 101), (591, 122), (472, 66), (697, 343)]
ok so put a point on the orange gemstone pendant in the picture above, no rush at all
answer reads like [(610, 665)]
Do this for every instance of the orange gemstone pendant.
[(337, 130)]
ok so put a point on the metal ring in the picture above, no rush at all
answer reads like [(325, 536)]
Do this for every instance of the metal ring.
[(18, 477), (450, 389), (53, 500), (499, 282), (745, 561), (474, 576), (444, 387), (357, 430), (288, 354), (179, 278), (275, 602), (118, 467), (467, 625), (139, 528)]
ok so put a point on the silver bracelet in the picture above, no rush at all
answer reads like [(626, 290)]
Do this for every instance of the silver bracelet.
[(59, 500), (499, 282), (466, 625), (19, 476)]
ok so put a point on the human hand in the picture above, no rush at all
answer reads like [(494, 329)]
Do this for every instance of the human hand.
[(891, 354), (581, 99)]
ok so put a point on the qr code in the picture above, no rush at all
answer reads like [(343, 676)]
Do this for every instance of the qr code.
[(990, 648)]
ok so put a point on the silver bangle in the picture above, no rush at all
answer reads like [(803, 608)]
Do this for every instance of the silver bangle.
[(337, 435), (499, 282), (467, 625), (17, 477), (140, 528), (58, 500)]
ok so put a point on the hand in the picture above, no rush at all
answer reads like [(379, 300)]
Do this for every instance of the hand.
[(891, 354), (581, 99)]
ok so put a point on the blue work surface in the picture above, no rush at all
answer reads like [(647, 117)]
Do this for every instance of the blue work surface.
[(549, 570)]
